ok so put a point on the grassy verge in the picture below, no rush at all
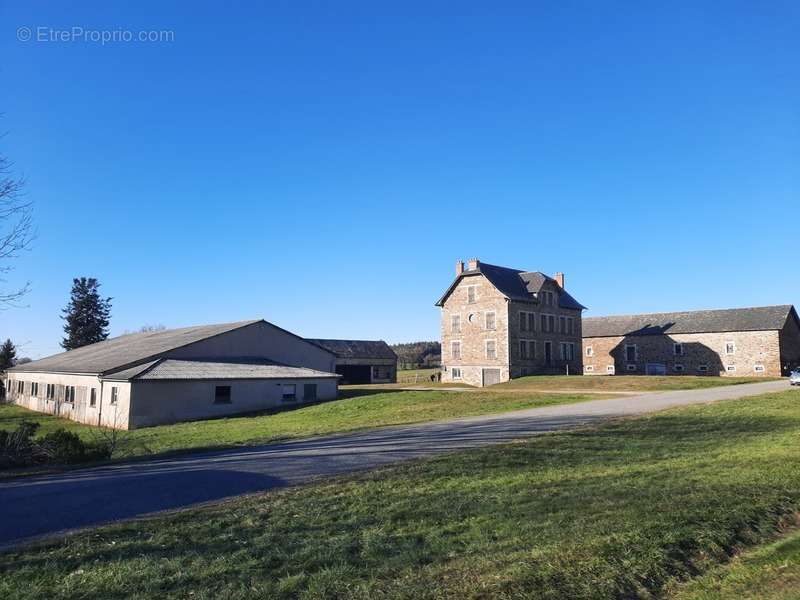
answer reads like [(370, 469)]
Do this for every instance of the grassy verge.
[(618, 511), (622, 383), (362, 409), (771, 572)]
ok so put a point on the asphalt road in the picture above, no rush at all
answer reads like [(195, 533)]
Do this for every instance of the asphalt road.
[(36, 507)]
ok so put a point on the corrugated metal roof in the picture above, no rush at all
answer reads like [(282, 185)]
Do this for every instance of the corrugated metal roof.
[(244, 368), (122, 351), (762, 318), (357, 348), (515, 284)]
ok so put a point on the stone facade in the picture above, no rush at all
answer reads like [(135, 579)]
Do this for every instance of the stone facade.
[(471, 333), (736, 354), (483, 331)]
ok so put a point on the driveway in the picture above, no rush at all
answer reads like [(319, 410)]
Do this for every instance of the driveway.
[(41, 506)]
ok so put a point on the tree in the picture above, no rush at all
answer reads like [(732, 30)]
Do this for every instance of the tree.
[(87, 314), (8, 355), (16, 227)]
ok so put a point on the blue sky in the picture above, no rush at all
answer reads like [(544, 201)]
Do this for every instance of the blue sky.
[(323, 165)]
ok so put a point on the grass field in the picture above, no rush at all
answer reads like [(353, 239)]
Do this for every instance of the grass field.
[(621, 383), (620, 511), (359, 409), (416, 375), (770, 572)]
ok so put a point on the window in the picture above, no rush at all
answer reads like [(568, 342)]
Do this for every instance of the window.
[(758, 368), (702, 368), (455, 350), (730, 368), (523, 348), (50, 391), (92, 397), (523, 321), (547, 298), (610, 369), (309, 392), (630, 352), (455, 324), (571, 325), (588, 368), (222, 394), (548, 323), (289, 391), (35, 389), (548, 352), (491, 349), (730, 348), (69, 394), (20, 387), (631, 367), (456, 373), (678, 368), (677, 349), (490, 320), (566, 350), (589, 351), (471, 294), (114, 394)]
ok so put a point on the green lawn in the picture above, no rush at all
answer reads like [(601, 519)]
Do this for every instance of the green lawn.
[(621, 383), (619, 511), (358, 409), (416, 375), (770, 572)]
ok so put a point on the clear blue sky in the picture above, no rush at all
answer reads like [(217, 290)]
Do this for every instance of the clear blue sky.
[(323, 165)]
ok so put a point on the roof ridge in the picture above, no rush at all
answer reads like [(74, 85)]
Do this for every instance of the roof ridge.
[(676, 312)]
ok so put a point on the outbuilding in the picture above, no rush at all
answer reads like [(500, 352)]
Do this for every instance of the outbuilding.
[(362, 361), (200, 372)]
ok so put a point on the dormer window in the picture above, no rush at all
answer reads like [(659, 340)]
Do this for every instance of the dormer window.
[(546, 298)]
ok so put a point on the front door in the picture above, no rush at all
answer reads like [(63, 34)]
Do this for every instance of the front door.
[(656, 369), (491, 376), (548, 353)]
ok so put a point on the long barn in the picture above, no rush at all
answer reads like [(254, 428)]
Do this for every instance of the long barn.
[(199, 372)]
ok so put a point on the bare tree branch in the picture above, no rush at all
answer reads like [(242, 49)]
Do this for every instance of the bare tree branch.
[(16, 227)]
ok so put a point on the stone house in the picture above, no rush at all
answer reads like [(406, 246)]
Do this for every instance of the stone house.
[(199, 372), (741, 342), (500, 323)]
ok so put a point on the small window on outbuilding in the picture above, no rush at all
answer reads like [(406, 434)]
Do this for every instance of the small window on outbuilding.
[(309, 392), (456, 373), (92, 397), (677, 349), (289, 392), (114, 394), (222, 394)]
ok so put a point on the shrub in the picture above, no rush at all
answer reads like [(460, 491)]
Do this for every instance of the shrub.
[(63, 447), (17, 447)]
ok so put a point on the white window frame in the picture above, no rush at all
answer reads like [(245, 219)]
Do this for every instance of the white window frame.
[(611, 369), (456, 372), (758, 368), (588, 368), (675, 348), (730, 368), (732, 344), (589, 351), (453, 356), (455, 323), (114, 395), (486, 349), (486, 320)]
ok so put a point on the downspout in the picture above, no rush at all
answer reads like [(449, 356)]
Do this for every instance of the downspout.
[(100, 400)]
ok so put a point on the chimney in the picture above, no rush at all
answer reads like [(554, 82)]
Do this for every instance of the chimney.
[(559, 277), (459, 267), (473, 263)]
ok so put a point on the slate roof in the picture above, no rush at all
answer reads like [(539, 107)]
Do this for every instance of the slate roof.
[(243, 368), (123, 351), (357, 348), (762, 318), (514, 284)]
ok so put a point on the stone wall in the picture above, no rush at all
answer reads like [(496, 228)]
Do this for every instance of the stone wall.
[(700, 354), (473, 333)]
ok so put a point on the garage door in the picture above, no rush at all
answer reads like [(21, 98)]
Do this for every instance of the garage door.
[(656, 369), (491, 376)]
